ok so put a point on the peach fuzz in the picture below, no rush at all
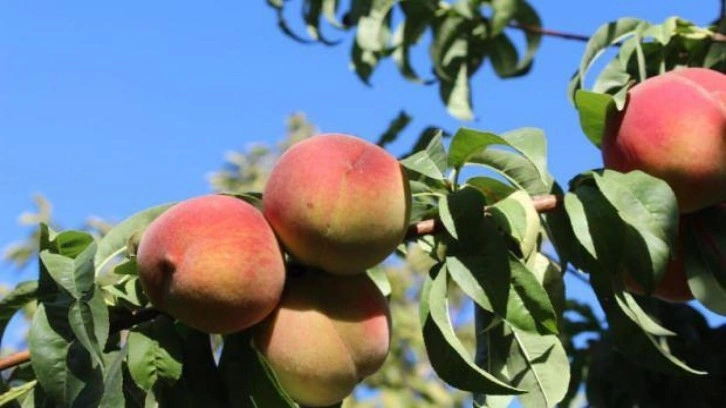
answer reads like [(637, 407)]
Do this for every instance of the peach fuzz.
[(674, 128), (212, 262), (338, 202), (328, 333)]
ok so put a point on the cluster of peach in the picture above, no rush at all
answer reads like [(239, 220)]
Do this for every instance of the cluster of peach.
[(673, 127), (335, 204)]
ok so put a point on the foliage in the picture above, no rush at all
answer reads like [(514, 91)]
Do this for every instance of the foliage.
[(465, 34), (95, 341)]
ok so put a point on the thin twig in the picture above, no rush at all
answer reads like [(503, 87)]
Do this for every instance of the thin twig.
[(542, 203), (14, 359)]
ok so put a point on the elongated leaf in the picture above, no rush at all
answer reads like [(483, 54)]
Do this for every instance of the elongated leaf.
[(23, 293), (200, 384), (514, 167), (594, 110), (249, 378), (373, 28), (113, 395), (456, 93), (71, 243), (531, 143), (113, 244), (63, 367), (364, 62), (446, 352), (631, 340), (538, 364), (518, 217), (89, 322), (648, 206), (418, 17), (605, 36), (430, 162), (16, 392), (394, 129), (480, 263), (155, 353)]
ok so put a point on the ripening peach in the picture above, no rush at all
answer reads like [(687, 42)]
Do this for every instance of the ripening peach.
[(673, 127), (338, 202), (328, 333), (212, 262)]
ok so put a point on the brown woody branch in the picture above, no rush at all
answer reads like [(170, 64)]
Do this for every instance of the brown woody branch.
[(542, 203), (717, 37)]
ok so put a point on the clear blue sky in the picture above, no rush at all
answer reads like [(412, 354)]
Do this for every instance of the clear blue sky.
[(109, 108)]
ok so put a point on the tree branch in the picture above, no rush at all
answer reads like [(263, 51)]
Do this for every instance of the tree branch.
[(542, 203), (14, 359)]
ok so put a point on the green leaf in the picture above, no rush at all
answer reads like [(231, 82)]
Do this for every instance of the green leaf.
[(535, 363), (250, 380), (394, 129), (648, 207), (456, 93), (89, 322), (113, 244), (594, 110), (502, 12), (418, 16), (378, 276), (364, 62), (63, 367), (155, 353), (312, 11), (71, 243), (631, 340), (530, 142), (374, 28), (200, 384), (113, 395), (516, 215), (25, 292), (447, 354), (515, 168), (480, 264), (430, 162), (74, 275), (17, 392), (605, 36)]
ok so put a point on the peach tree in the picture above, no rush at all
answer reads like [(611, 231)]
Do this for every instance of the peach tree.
[(490, 221)]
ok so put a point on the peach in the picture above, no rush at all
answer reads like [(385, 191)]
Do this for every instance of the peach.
[(338, 202), (328, 333), (674, 128), (212, 262)]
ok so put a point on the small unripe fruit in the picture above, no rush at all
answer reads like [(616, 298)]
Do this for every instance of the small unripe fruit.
[(338, 202), (674, 127), (328, 333), (212, 262)]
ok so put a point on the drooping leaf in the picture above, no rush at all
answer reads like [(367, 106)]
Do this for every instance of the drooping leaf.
[(648, 207), (394, 129), (704, 249), (23, 293), (430, 162), (114, 243), (16, 392), (64, 368), (594, 110), (447, 354), (250, 380), (535, 363), (155, 353)]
